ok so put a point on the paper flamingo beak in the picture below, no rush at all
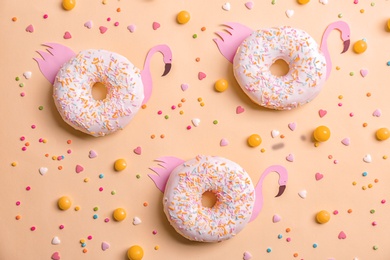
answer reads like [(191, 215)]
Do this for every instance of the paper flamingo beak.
[(346, 45), (281, 190), (167, 69)]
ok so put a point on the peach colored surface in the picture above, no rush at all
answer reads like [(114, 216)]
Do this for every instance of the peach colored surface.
[(350, 100)]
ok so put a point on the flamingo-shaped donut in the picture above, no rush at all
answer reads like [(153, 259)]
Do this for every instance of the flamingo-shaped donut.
[(237, 200), (253, 52), (74, 75)]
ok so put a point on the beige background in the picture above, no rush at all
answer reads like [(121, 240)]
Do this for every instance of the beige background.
[(334, 192)]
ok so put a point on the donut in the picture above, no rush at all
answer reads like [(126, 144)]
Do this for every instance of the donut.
[(302, 83), (233, 189), (73, 92)]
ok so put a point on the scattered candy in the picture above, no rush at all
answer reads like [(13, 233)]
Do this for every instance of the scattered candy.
[(226, 6), (55, 241), (120, 165), (249, 5), (221, 85), (367, 158), (30, 28), (303, 2), (276, 218), (321, 134), (322, 112), (183, 17), (136, 221), (88, 24), (247, 256), (119, 214), (289, 13), (64, 203), (224, 142), (155, 25), (254, 140), (290, 157), (240, 110), (138, 150), (68, 4), (302, 194), (105, 246), (323, 217), (382, 134), (360, 46), (135, 253), (342, 235)]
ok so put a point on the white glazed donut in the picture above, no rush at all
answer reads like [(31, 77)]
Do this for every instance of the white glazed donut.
[(73, 92), (307, 67), (232, 187)]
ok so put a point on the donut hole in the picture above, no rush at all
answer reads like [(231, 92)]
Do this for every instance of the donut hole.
[(99, 91), (209, 199), (279, 68)]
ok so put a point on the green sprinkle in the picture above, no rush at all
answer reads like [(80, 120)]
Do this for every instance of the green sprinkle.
[(340, 15), (273, 2), (17, 78), (195, 36), (372, 4), (351, 73), (113, 192), (40, 107), (21, 85), (215, 122), (95, 208), (372, 211), (166, 116), (138, 176), (375, 247)]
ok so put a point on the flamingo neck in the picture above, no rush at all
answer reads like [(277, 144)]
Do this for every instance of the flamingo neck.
[(324, 47), (146, 76)]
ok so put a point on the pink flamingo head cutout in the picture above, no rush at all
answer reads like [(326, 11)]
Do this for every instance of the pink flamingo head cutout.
[(168, 164)]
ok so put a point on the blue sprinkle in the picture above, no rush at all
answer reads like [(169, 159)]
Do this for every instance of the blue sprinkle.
[(364, 174), (95, 216), (269, 250), (388, 63), (101, 176), (280, 236), (315, 245), (83, 245)]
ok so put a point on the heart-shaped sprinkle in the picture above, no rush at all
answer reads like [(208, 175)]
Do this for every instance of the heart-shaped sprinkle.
[(88, 24), (290, 158), (240, 110), (138, 150), (201, 75), (319, 176), (67, 35), (224, 142), (322, 112), (156, 25), (367, 158), (184, 86), (105, 246), (302, 194), (55, 241), (377, 113), (43, 170), (131, 28), (27, 74), (79, 168), (247, 256), (103, 29), (289, 13), (364, 72), (355, 1), (249, 5), (292, 126), (92, 154), (342, 235), (30, 28), (275, 133), (56, 256), (136, 221), (195, 121), (346, 141), (276, 218), (226, 6), (324, 2)]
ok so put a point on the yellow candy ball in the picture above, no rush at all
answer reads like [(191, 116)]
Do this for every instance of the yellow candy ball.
[(382, 134), (120, 165), (135, 253), (321, 133), (254, 140), (68, 4), (183, 17), (388, 25), (360, 46), (323, 217), (64, 203), (119, 214), (221, 85), (303, 2)]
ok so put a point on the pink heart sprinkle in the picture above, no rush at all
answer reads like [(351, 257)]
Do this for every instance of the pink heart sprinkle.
[(290, 157), (105, 246), (138, 150), (322, 112), (156, 25), (30, 28), (92, 154), (103, 29), (131, 28), (342, 235), (346, 141), (67, 35), (55, 256), (184, 87), (240, 110), (319, 176), (292, 126), (79, 168), (377, 113), (201, 75), (249, 5), (247, 256), (364, 72), (224, 142), (356, 2), (88, 24), (276, 218)]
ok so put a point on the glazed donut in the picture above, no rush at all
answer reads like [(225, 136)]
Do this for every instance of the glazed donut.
[(232, 187), (73, 92), (302, 83)]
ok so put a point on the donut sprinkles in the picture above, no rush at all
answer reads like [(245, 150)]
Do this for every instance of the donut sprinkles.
[(73, 92), (302, 83)]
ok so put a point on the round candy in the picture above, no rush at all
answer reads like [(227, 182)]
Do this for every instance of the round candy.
[(135, 253), (383, 134), (321, 133), (68, 4), (120, 165), (221, 85), (360, 46), (254, 140), (388, 25), (64, 203), (303, 2), (323, 217), (183, 17), (119, 214)]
